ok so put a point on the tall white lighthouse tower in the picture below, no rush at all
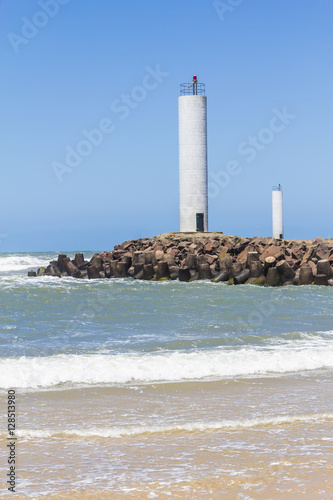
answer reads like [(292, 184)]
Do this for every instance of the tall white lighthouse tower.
[(193, 192), (277, 212)]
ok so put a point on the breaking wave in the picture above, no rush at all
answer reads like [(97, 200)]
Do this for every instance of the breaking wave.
[(95, 369)]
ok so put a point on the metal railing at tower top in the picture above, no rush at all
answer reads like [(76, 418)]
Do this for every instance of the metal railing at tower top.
[(193, 88)]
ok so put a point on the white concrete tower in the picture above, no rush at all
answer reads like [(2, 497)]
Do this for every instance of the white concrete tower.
[(277, 212), (193, 192)]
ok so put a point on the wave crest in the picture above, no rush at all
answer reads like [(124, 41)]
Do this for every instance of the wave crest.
[(43, 372)]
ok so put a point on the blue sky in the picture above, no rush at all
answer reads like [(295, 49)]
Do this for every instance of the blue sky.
[(70, 67)]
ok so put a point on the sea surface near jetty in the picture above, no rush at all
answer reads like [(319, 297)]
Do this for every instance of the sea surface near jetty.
[(141, 389)]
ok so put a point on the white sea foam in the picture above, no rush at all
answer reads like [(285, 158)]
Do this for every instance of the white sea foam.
[(42, 372), (132, 430), (21, 262)]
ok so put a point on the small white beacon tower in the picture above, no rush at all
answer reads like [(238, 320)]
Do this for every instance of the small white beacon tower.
[(193, 192), (277, 212)]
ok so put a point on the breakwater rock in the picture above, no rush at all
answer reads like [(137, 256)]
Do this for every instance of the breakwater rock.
[(212, 256)]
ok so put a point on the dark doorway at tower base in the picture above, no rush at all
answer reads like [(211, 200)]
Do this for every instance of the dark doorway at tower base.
[(200, 222)]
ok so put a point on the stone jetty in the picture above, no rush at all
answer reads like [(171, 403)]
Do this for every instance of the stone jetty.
[(206, 256)]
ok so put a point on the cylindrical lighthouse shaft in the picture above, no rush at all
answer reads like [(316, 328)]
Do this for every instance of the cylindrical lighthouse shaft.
[(193, 199), (277, 212)]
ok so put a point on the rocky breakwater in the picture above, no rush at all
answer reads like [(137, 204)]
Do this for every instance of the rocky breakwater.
[(210, 256)]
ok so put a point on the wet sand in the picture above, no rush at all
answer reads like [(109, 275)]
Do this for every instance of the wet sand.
[(263, 437)]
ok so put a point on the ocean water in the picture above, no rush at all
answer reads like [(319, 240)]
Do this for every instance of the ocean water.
[(136, 389)]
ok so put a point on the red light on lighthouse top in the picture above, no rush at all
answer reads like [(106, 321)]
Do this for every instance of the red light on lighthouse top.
[(194, 78)]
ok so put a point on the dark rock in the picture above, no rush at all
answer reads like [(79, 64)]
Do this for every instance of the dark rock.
[(159, 255), (310, 252), (60, 262), (211, 246), (172, 251), (93, 272), (204, 272), (184, 244), (214, 270), (251, 257), (107, 270), (127, 260), (243, 256), (194, 275), (72, 270), (313, 267), (223, 250), (169, 259), (250, 281), (305, 276), (139, 275), (295, 264), (97, 262), (323, 267), (221, 276), (200, 259), (121, 269), (55, 271), (138, 258), (320, 279), (272, 251), (150, 258), (297, 251), (83, 267), (255, 268), (113, 267), (240, 278), (240, 246), (148, 272), (268, 263), (322, 251), (138, 268), (226, 263), (162, 270), (32, 274), (78, 260), (237, 268), (260, 281), (174, 270), (130, 271), (210, 259), (126, 244), (49, 270), (285, 271), (118, 254), (184, 274), (273, 278)]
